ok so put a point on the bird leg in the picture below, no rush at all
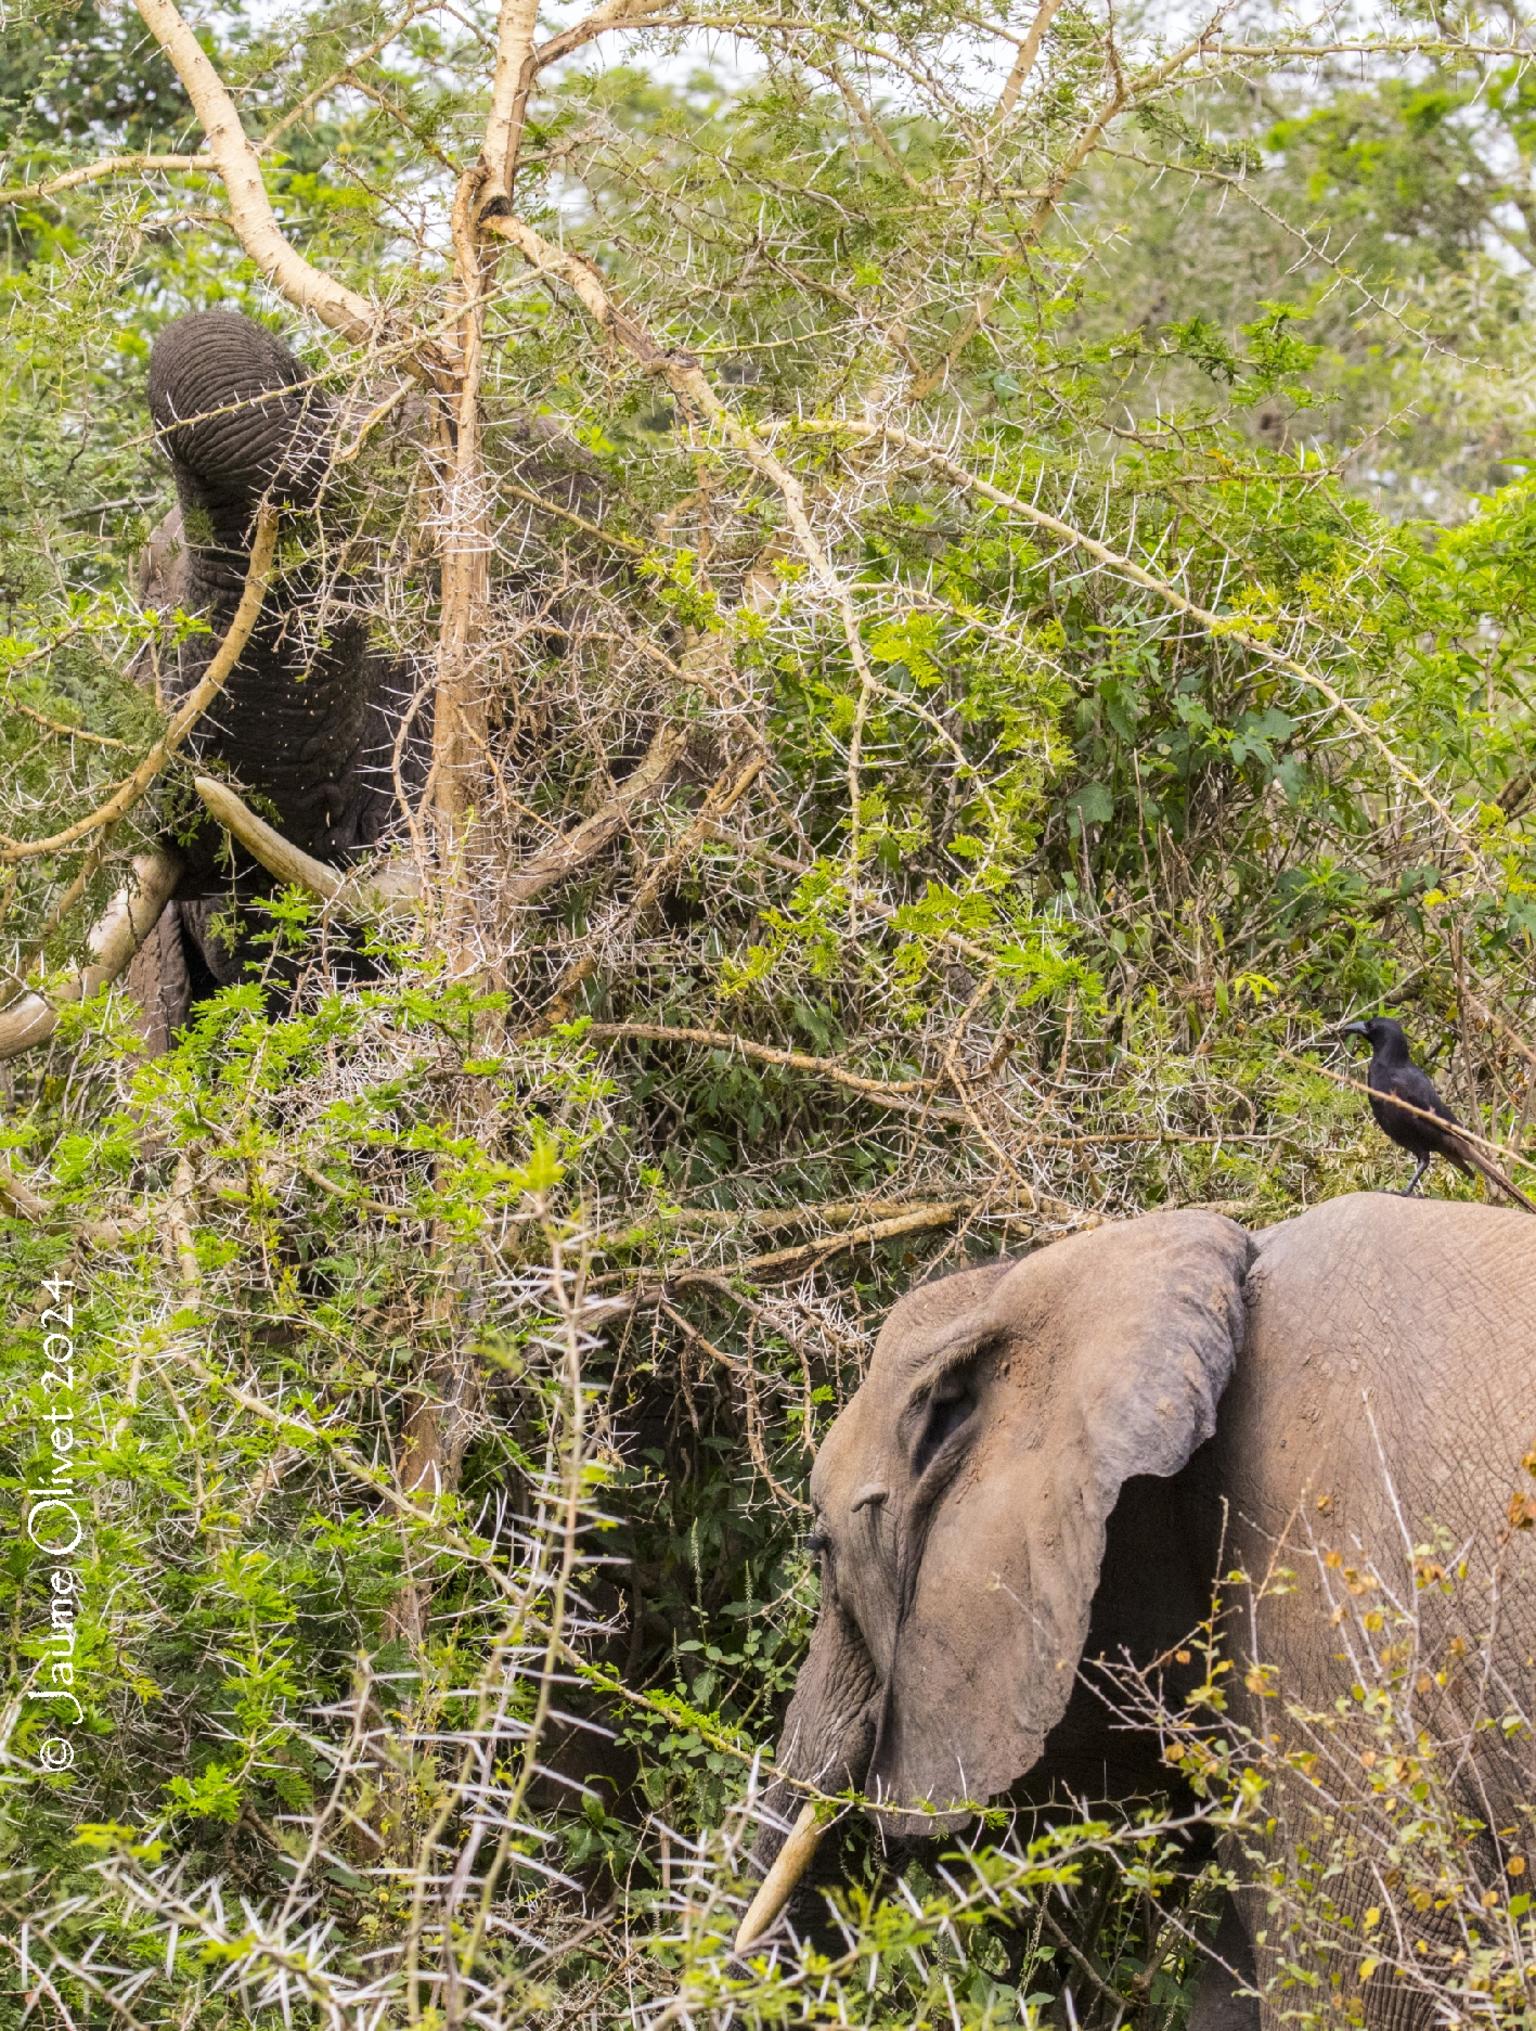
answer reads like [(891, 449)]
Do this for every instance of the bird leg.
[(1413, 1185)]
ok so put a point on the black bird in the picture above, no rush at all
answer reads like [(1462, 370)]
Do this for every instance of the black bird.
[(1422, 1124)]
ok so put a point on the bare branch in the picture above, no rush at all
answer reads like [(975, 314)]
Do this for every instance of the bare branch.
[(250, 209), (510, 84), (93, 172), (1020, 1203), (128, 921), (888, 1092), (614, 14), (1122, 95), (1024, 62), (585, 841)]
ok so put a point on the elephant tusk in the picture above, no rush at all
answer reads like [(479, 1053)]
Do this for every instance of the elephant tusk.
[(290, 863), (277, 855), (119, 932), (774, 1892)]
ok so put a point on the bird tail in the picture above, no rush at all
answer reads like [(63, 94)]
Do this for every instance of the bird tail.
[(1488, 1169)]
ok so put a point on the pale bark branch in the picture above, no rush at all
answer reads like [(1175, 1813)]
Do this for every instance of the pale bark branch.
[(62, 730), (122, 929), (346, 75), (584, 841), (1024, 62), (614, 15), (941, 1213), (250, 209), (187, 714), (93, 172), (1022, 1203), (510, 84), (831, 1214), (458, 707), (459, 725), (889, 1092)]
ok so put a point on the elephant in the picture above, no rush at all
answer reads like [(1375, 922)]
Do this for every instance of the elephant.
[(329, 733), (1052, 1471), (324, 728)]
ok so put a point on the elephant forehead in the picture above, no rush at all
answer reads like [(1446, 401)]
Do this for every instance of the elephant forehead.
[(849, 1448)]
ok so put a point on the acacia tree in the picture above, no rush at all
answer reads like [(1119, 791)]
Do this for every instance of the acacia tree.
[(981, 706)]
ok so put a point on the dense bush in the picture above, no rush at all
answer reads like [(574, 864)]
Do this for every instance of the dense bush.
[(1092, 631)]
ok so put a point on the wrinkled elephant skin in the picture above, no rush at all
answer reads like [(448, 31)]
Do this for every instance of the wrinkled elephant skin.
[(308, 721)]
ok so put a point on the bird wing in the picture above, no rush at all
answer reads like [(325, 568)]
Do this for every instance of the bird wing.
[(1418, 1090)]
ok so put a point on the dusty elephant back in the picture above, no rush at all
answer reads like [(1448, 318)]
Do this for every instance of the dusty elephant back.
[(1372, 1444)]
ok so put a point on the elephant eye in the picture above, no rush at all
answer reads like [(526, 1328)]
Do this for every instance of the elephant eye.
[(816, 1542)]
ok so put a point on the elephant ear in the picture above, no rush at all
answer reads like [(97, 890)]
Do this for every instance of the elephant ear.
[(1093, 1360)]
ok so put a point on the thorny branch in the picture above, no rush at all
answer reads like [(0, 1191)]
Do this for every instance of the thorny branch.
[(221, 666)]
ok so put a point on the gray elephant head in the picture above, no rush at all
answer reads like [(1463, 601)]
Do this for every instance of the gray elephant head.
[(961, 1502), (1050, 1461)]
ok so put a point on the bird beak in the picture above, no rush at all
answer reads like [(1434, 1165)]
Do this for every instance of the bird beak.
[(1354, 1030)]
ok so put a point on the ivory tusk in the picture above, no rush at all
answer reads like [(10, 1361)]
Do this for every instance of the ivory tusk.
[(290, 863), (119, 932), (277, 855), (774, 1892)]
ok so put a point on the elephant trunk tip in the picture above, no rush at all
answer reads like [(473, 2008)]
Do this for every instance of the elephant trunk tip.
[(777, 1887)]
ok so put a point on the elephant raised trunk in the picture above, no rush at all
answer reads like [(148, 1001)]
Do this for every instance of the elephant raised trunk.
[(236, 419), (308, 718)]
